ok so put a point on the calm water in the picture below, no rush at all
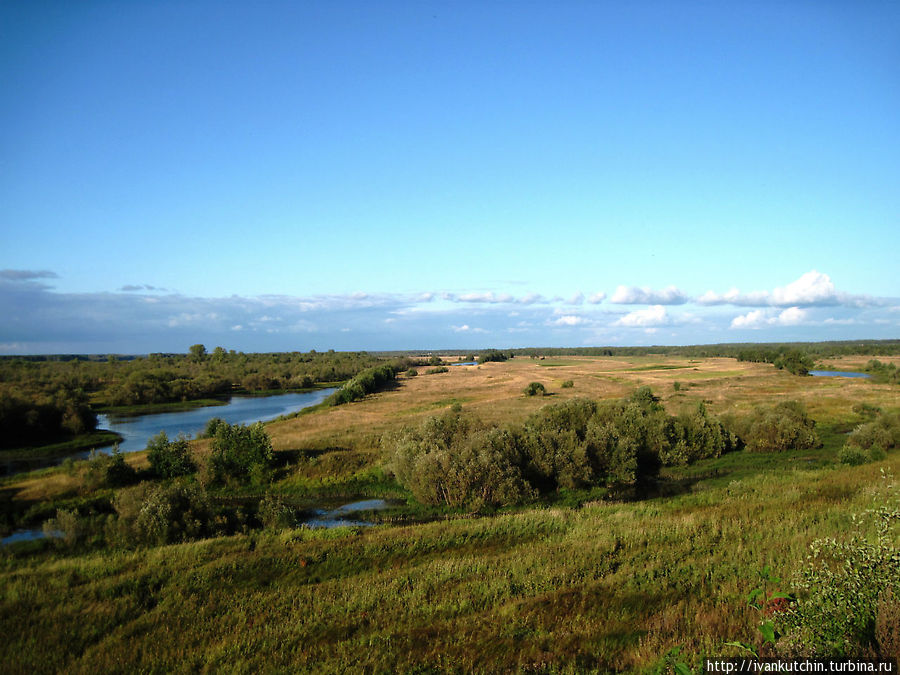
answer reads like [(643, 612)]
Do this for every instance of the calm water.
[(836, 373), (339, 516), (136, 430)]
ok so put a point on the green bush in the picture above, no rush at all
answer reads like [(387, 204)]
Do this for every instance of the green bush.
[(211, 425), (786, 426), (150, 515), (274, 513), (852, 456), (66, 529), (437, 370), (109, 470), (241, 453), (412, 372), (568, 384), (455, 461), (883, 431), (535, 389), (170, 458), (846, 606)]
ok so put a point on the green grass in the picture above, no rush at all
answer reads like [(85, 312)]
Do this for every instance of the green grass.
[(660, 366), (578, 589)]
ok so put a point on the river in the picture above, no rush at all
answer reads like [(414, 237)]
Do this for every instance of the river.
[(136, 430)]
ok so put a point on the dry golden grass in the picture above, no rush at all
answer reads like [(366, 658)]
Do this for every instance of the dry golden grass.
[(493, 392)]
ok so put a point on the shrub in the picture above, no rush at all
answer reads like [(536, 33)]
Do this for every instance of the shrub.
[(170, 458), (676, 386), (211, 426), (274, 514), (109, 470), (852, 456), (846, 603), (437, 370), (554, 443), (66, 529), (535, 389), (493, 355), (568, 384), (241, 453), (160, 514), (784, 427), (883, 431), (697, 436), (455, 461), (412, 372)]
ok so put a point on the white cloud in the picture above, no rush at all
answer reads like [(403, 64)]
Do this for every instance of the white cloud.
[(632, 295), (735, 297), (597, 298), (759, 318), (569, 320), (652, 316), (755, 319), (577, 299), (813, 288)]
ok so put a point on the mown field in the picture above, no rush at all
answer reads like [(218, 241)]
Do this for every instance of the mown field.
[(572, 583)]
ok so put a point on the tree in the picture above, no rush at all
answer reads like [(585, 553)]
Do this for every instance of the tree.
[(241, 453), (169, 458), (198, 352)]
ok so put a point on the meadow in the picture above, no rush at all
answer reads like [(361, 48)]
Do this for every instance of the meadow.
[(577, 581)]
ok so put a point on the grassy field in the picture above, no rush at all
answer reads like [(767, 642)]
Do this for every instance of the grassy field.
[(571, 584)]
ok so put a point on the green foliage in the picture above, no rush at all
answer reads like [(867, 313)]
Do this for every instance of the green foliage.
[(493, 355), (212, 426), (66, 529), (274, 513), (845, 587), (795, 362), (456, 461), (170, 458), (568, 384), (883, 373), (535, 389), (676, 386), (241, 453), (109, 470), (852, 456), (367, 382), (437, 370), (412, 372), (786, 426), (151, 515), (56, 413), (883, 431), (695, 436), (197, 352)]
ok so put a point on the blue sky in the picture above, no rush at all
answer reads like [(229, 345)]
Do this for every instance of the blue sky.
[(357, 175)]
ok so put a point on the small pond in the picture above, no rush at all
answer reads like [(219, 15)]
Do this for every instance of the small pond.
[(836, 373), (342, 516)]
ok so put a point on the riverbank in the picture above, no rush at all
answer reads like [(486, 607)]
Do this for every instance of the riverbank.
[(97, 439)]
